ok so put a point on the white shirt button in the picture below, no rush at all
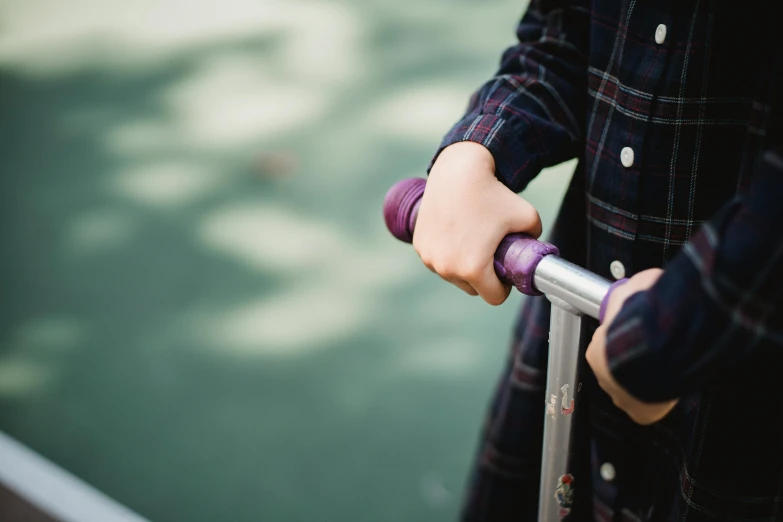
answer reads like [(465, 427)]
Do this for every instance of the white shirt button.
[(626, 156), (660, 34), (617, 269), (607, 471)]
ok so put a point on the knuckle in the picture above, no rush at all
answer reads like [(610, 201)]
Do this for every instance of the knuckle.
[(426, 259), (471, 270), (444, 269)]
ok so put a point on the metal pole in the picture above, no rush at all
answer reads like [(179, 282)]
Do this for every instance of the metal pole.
[(584, 290), (573, 291), (562, 389)]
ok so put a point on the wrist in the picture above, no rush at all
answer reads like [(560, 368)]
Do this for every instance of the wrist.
[(467, 156)]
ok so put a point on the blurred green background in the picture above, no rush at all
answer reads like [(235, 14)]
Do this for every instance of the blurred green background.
[(203, 315)]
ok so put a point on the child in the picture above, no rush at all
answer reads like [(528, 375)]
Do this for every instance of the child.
[(674, 109)]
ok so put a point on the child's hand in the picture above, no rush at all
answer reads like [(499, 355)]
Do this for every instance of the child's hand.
[(465, 213), (640, 412)]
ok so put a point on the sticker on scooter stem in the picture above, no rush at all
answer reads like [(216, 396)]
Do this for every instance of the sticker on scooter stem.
[(566, 408), (564, 494), (550, 408)]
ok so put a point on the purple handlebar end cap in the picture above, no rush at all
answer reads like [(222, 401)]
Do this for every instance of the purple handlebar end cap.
[(605, 300), (401, 206), (518, 255)]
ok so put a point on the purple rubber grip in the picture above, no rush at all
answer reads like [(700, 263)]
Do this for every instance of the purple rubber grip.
[(605, 300), (515, 259), (401, 207)]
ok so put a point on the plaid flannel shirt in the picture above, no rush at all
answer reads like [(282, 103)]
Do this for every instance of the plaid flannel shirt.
[(674, 109)]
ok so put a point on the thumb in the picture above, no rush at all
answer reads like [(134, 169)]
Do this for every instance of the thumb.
[(521, 216)]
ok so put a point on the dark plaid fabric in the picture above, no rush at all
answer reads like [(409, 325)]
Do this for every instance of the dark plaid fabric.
[(702, 197)]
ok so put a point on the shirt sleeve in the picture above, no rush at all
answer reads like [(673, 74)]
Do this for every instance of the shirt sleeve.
[(531, 114), (716, 303)]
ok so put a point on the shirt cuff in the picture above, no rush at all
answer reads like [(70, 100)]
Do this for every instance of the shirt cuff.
[(515, 162), (648, 343), (628, 350)]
